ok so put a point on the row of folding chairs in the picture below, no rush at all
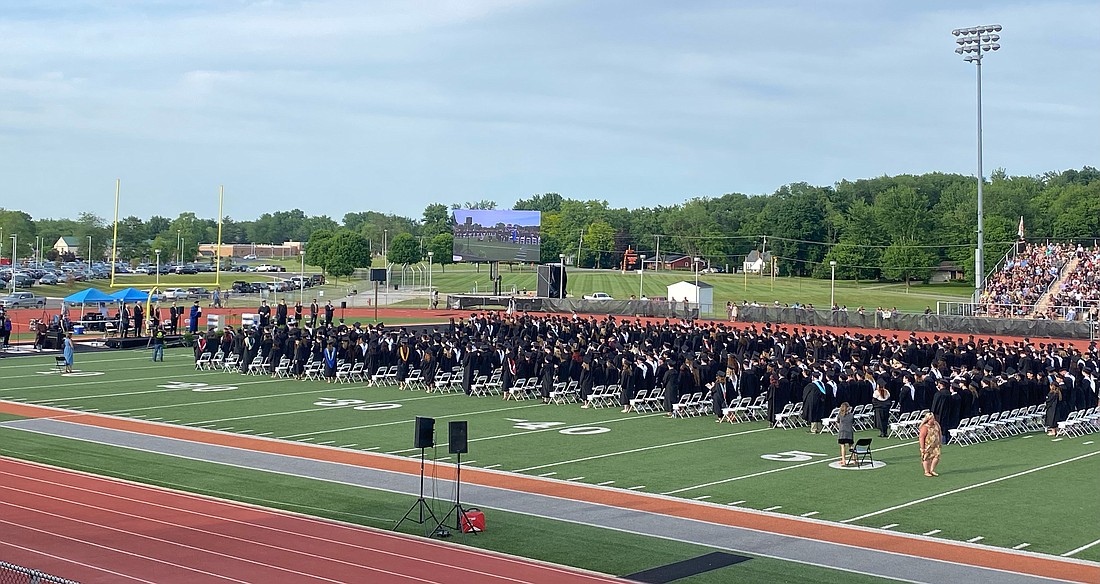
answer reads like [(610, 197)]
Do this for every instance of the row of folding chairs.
[(690, 405), (987, 427), (746, 409), (604, 396), (486, 385), (1080, 422), (646, 401), (447, 381), (907, 425), (790, 416), (565, 392), (523, 388)]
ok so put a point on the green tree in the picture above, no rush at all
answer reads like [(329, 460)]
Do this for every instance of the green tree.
[(437, 220), (483, 204), (404, 249), (442, 248), (345, 251), (599, 241), (904, 261), (19, 224), (317, 248), (546, 203)]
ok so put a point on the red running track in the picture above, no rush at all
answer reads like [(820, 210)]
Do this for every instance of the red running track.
[(99, 530)]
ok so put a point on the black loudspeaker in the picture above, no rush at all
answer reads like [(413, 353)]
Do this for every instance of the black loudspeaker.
[(425, 433), (552, 281), (456, 431), (378, 274), (343, 304)]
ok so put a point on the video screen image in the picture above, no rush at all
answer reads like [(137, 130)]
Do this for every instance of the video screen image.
[(493, 235)]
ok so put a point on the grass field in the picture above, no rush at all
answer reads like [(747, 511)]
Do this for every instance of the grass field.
[(1023, 490), (735, 287), (468, 278)]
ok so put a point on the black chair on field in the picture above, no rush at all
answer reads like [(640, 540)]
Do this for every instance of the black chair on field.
[(860, 452)]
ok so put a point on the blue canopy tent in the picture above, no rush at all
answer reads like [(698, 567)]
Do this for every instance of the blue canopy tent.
[(88, 296), (130, 295)]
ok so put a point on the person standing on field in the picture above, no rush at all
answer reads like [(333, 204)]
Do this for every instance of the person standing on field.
[(930, 443)]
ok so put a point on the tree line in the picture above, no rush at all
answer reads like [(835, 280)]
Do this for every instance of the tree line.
[(889, 227)]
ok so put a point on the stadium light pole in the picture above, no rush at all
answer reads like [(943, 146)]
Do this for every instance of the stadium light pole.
[(89, 252), (972, 43), (641, 276), (832, 283), (158, 268)]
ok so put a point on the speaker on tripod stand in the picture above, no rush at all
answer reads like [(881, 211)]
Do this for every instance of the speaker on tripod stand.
[(458, 445), (423, 438)]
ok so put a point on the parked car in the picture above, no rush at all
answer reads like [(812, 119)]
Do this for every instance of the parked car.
[(270, 268), (176, 294), (196, 292), (242, 287), (22, 300), (22, 280), (48, 279), (598, 296), (250, 256)]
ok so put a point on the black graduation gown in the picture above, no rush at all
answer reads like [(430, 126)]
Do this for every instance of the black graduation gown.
[(812, 403), (718, 398)]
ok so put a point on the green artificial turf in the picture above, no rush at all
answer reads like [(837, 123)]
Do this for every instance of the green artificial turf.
[(581, 546), (988, 490)]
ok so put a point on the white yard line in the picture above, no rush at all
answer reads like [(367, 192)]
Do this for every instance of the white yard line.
[(889, 526), (1020, 546), (967, 488), (810, 514), (774, 470), (975, 539), (772, 508), (635, 450), (396, 422), (933, 532), (1080, 549)]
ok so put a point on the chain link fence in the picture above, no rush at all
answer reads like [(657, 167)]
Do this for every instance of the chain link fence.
[(13, 574)]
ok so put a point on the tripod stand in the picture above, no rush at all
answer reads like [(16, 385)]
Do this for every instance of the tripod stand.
[(461, 518), (420, 506)]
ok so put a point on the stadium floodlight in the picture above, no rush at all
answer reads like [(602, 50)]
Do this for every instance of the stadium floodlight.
[(973, 42)]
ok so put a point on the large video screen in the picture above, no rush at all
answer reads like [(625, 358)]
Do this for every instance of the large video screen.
[(493, 235)]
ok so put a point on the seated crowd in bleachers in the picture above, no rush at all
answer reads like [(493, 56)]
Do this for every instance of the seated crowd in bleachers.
[(1078, 297), (1015, 289)]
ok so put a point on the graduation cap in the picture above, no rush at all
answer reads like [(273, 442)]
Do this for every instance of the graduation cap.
[(1011, 371)]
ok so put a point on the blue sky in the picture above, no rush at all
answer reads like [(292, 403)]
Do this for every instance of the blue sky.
[(334, 106)]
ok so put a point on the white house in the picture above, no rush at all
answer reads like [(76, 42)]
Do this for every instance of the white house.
[(67, 245), (756, 262), (702, 296)]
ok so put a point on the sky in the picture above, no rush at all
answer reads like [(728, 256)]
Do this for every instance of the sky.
[(336, 106)]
